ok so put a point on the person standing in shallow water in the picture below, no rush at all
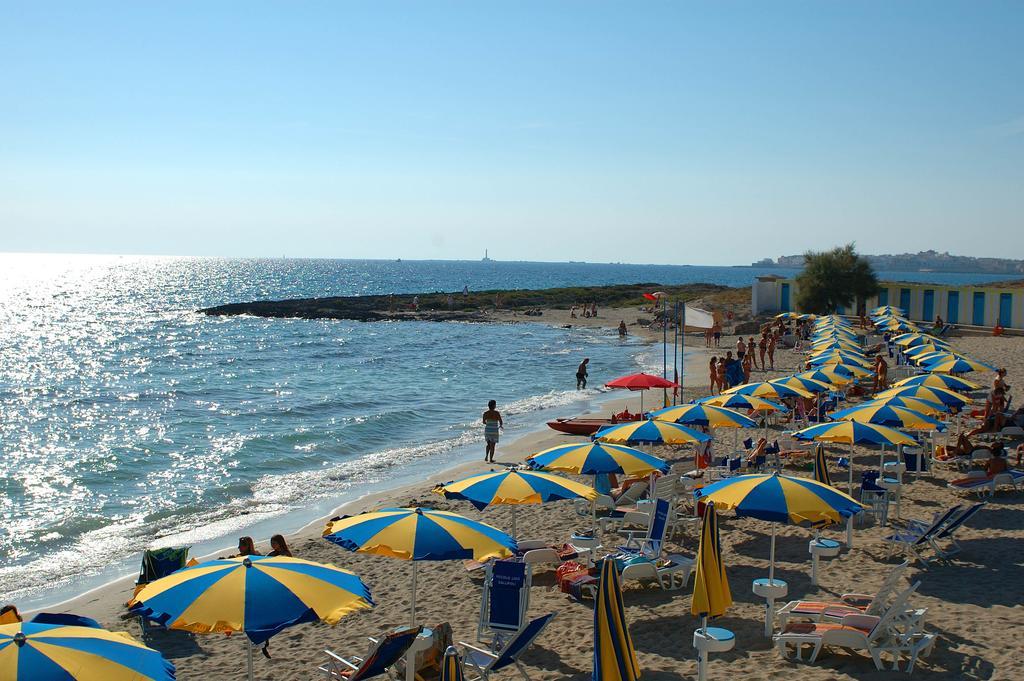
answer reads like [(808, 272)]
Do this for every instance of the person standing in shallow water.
[(492, 422), (581, 374)]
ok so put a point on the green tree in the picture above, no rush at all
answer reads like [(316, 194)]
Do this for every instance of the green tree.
[(833, 279)]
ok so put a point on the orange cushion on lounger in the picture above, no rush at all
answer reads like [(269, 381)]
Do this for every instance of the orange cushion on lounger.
[(811, 628)]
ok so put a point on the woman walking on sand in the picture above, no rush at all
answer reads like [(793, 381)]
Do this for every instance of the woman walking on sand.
[(713, 369), (773, 339), (492, 422)]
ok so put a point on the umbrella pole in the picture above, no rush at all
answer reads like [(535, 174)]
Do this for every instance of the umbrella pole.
[(771, 567), (248, 647), (702, 653), (849, 474), (413, 609), (513, 521)]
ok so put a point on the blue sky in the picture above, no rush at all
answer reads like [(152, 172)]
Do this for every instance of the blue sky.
[(680, 132)]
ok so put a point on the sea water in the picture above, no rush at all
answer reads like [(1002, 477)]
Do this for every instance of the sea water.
[(128, 420)]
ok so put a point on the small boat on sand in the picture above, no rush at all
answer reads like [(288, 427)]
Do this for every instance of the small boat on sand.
[(583, 426)]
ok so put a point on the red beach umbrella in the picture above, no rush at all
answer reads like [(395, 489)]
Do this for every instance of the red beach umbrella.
[(641, 381)]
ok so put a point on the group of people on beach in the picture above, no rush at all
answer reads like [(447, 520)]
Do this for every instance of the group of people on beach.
[(247, 547), (589, 310), (729, 371)]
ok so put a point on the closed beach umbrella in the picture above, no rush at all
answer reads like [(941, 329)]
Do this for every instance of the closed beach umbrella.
[(948, 398), (641, 382), (852, 433), (451, 666), (597, 458), (938, 381), (956, 365), (514, 487), (419, 534), (31, 651), (258, 595), (768, 389), (821, 465), (705, 415), (888, 415), (711, 594), (614, 654), (651, 432)]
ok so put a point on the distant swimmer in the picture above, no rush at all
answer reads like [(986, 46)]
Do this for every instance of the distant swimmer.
[(492, 422), (622, 329), (581, 374)]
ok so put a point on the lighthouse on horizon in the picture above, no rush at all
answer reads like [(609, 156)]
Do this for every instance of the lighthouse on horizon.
[(485, 258)]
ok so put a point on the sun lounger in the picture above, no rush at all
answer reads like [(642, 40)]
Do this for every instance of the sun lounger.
[(480, 664), (670, 573), (915, 540), (383, 654), (505, 600), (978, 483), (849, 603), (875, 634)]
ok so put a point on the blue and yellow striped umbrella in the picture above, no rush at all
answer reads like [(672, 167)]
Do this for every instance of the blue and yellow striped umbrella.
[(956, 365), (711, 593), (451, 666), (926, 407), (927, 356), (910, 340), (419, 534), (888, 415), (514, 487), (768, 389), (938, 381), (614, 654), (597, 458), (846, 358), (260, 595), (946, 397), (924, 350), (852, 370), (888, 310), (704, 415), (781, 499), (826, 344), (828, 376), (650, 432), (852, 432), (31, 651), (737, 401), (804, 383), (821, 465)]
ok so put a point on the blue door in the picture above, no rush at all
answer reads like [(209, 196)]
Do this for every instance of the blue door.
[(928, 305), (1006, 309), (784, 303), (953, 307), (883, 297), (905, 300), (978, 312)]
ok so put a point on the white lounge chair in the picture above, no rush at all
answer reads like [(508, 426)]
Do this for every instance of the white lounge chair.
[(848, 603), (875, 634)]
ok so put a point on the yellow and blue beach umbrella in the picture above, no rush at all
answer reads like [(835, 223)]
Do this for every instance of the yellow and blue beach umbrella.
[(31, 651), (808, 385), (821, 465), (956, 365), (650, 432), (768, 389), (828, 376), (614, 654), (910, 340), (852, 370), (854, 433), (780, 499), (889, 310), (938, 381), (514, 487), (597, 458), (946, 397), (704, 415), (926, 407), (927, 356), (925, 349), (845, 358), (711, 593), (419, 534), (853, 352), (826, 344), (737, 401), (786, 315), (888, 415), (805, 316), (258, 595)]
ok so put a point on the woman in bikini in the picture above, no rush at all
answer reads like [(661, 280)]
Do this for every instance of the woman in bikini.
[(492, 422), (772, 340), (713, 369), (762, 348)]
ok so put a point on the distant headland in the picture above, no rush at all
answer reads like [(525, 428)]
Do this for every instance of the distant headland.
[(925, 261)]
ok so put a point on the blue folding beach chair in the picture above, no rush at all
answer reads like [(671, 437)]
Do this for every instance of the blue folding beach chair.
[(649, 542), (383, 655), (482, 663), (505, 601), (915, 539), (950, 529)]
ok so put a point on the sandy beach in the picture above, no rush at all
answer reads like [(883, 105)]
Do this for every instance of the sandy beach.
[(972, 603)]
